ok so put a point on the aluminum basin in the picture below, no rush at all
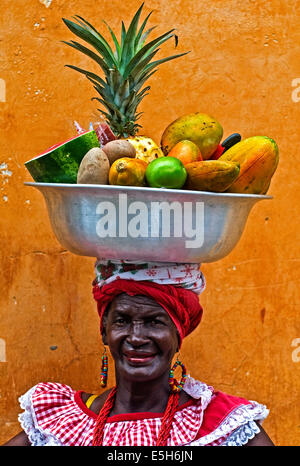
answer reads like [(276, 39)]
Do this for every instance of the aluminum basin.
[(135, 223)]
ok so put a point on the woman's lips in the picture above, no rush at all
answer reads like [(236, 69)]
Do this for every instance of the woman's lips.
[(139, 358)]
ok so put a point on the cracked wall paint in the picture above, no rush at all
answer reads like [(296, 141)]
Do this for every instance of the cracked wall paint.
[(2, 90), (2, 350), (47, 3), (5, 173)]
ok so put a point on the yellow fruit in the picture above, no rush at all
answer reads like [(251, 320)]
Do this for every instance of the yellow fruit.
[(211, 175), (204, 130), (127, 171), (146, 148), (258, 158)]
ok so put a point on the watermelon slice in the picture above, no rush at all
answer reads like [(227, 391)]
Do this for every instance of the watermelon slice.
[(60, 163)]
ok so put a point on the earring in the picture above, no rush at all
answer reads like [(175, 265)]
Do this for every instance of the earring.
[(104, 368), (174, 384)]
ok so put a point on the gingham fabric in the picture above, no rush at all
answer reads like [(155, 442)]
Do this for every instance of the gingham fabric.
[(54, 414), (187, 276)]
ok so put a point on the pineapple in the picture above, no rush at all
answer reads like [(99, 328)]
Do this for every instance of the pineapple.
[(146, 149), (125, 71)]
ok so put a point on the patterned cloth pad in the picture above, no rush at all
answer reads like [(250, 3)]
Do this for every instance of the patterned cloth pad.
[(188, 276)]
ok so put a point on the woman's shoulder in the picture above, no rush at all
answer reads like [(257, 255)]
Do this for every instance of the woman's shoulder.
[(50, 409), (46, 394), (226, 418), (216, 401), (51, 387)]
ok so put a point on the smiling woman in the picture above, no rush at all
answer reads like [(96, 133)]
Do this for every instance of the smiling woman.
[(141, 337), (145, 312)]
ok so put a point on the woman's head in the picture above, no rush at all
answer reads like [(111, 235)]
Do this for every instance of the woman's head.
[(141, 336), (181, 305), (132, 292)]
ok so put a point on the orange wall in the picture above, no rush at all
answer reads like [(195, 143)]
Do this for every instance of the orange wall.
[(244, 58)]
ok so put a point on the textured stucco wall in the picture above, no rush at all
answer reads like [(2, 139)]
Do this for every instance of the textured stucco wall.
[(243, 69)]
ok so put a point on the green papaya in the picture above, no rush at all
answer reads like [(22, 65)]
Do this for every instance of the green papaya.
[(204, 130)]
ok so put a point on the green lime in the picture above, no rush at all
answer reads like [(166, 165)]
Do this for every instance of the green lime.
[(166, 172)]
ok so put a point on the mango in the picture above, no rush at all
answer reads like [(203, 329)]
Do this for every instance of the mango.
[(258, 157), (204, 130), (186, 152), (211, 175)]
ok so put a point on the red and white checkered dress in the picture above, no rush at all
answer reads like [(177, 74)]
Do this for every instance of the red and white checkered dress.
[(54, 414)]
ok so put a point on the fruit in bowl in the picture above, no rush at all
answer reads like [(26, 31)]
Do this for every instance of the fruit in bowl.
[(211, 175), (60, 163), (204, 130), (186, 151), (117, 149), (128, 171), (94, 167), (166, 172), (258, 157)]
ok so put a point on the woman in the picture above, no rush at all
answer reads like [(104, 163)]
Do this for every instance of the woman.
[(145, 312)]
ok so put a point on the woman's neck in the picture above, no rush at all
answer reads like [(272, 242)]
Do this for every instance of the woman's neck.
[(136, 397)]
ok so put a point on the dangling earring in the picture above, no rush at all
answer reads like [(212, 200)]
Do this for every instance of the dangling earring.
[(104, 368), (174, 384)]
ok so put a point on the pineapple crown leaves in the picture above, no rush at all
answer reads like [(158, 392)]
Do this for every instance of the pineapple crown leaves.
[(125, 69)]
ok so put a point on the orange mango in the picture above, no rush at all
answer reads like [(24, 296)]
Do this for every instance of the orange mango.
[(186, 151)]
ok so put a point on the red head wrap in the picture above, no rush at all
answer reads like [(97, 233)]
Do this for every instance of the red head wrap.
[(182, 305)]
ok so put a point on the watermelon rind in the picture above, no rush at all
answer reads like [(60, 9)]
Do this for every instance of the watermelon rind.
[(60, 163)]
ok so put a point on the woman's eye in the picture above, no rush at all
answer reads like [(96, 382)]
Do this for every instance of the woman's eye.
[(156, 322), (120, 321)]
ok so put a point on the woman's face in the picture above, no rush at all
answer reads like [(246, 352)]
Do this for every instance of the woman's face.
[(141, 336)]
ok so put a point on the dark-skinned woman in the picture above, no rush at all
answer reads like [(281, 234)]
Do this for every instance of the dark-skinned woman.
[(146, 310)]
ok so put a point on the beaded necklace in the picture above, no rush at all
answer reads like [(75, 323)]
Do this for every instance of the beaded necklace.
[(165, 425)]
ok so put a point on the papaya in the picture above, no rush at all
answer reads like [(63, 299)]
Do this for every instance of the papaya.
[(127, 171), (258, 157), (211, 175), (204, 130)]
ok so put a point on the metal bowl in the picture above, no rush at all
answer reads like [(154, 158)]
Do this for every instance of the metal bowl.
[(151, 224)]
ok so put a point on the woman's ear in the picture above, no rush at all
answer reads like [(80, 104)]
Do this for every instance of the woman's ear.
[(104, 338), (178, 346), (104, 321)]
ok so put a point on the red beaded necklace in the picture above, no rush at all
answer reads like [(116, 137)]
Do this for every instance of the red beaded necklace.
[(165, 425)]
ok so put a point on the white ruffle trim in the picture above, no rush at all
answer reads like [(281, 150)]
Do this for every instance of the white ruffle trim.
[(198, 390), (37, 437), (239, 426), (242, 435)]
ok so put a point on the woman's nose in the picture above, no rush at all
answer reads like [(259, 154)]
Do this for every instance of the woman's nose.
[(137, 333)]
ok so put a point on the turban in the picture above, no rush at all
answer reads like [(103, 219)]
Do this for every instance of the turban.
[(173, 286)]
